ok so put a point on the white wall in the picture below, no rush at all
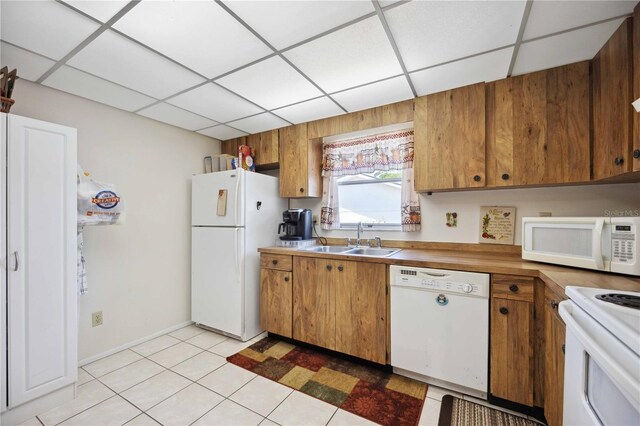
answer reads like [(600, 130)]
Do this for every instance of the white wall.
[(585, 200), (138, 273)]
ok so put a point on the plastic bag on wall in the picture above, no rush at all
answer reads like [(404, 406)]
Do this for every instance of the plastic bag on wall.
[(98, 203)]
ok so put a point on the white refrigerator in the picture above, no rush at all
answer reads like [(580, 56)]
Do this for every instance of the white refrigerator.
[(233, 214)]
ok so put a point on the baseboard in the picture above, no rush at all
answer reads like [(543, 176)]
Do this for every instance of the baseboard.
[(93, 358)]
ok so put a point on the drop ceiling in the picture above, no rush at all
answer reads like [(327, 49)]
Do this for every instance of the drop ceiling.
[(231, 68)]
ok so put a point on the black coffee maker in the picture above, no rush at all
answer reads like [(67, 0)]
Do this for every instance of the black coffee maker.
[(296, 224)]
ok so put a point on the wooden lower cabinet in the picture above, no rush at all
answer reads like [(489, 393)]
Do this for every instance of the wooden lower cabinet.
[(276, 298), (554, 335), (511, 357), (341, 306)]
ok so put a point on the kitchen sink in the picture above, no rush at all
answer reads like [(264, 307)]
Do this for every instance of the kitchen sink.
[(353, 251), (371, 251), (328, 249)]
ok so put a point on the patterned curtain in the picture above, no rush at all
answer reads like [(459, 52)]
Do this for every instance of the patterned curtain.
[(385, 151)]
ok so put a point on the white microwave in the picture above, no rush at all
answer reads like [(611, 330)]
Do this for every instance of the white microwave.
[(602, 243)]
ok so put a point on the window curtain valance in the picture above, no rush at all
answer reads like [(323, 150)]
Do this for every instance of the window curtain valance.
[(381, 152), (386, 151)]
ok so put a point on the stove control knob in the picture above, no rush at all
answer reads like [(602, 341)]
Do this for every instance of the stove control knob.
[(467, 288)]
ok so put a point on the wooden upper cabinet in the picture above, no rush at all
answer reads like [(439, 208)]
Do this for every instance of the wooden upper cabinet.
[(265, 147), (538, 127), (230, 146), (300, 163), (450, 139), (612, 70), (636, 87)]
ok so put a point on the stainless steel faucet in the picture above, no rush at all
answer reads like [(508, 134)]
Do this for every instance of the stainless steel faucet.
[(358, 240)]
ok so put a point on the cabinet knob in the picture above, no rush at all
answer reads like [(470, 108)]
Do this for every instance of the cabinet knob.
[(505, 176), (340, 268), (514, 288), (618, 161), (504, 311), (553, 304), (275, 262), (286, 279), (329, 267), (636, 153), (301, 189), (477, 178)]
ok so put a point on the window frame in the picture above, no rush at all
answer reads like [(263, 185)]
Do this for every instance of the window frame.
[(371, 226)]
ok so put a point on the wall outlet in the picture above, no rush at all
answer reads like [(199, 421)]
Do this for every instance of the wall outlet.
[(96, 319)]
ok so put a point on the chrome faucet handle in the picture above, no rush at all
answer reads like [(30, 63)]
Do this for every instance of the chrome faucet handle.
[(378, 241), (348, 241)]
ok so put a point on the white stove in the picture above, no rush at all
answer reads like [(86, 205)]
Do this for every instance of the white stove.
[(602, 362)]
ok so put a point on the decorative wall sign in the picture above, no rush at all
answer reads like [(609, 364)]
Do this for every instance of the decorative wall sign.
[(497, 225), (452, 220)]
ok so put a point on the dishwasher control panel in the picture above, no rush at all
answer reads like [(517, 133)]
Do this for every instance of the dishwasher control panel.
[(442, 280)]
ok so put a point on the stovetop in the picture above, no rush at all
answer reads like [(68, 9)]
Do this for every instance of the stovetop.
[(611, 308)]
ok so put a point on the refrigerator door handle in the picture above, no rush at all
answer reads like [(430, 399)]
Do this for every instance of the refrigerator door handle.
[(237, 208), (238, 253)]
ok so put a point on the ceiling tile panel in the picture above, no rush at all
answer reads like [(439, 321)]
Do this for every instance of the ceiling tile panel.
[(432, 32), (488, 67), (102, 10), (355, 55), (88, 86), (310, 110), (548, 17), (176, 117), (375, 94), (284, 23), (259, 123), (199, 34), (564, 48), (44, 27), (222, 132), (118, 59), (271, 83), (215, 102), (30, 66)]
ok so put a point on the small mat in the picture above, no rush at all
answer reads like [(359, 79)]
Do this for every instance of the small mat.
[(460, 412), (385, 398)]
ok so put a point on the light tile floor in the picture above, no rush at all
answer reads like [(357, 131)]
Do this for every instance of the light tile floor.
[(183, 378)]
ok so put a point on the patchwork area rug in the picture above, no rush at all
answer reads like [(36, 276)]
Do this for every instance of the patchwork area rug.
[(460, 412), (381, 397)]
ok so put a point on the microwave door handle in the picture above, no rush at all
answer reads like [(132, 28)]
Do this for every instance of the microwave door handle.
[(597, 243)]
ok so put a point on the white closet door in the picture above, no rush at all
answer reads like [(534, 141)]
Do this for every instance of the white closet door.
[(41, 250)]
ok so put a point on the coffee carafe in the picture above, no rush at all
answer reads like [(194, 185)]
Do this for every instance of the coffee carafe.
[(296, 225)]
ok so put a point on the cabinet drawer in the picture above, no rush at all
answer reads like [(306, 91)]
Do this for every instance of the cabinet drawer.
[(276, 261), (512, 287)]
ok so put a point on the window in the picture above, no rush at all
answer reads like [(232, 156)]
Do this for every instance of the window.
[(371, 198)]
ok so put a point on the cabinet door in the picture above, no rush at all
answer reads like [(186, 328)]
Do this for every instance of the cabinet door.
[(300, 163), (361, 324), (612, 92), (42, 269), (554, 333), (538, 127), (230, 146), (265, 146), (449, 147), (314, 315), (636, 87), (276, 301), (512, 350)]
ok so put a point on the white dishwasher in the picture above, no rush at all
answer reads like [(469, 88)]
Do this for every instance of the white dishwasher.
[(440, 327)]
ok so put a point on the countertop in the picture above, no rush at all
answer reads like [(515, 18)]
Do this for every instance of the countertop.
[(557, 277)]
